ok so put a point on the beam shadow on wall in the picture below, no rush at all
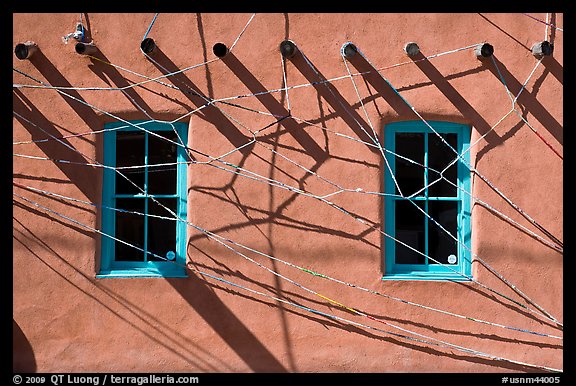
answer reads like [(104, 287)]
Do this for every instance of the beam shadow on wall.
[(468, 112), (101, 69), (220, 269), (551, 63), (257, 360), (527, 100), (211, 113), (465, 108), (274, 107), (512, 307), (276, 217), (82, 176), (55, 78), (372, 76), (341, 325), (530, 103), (153, 327), (331, 95), (483, 336), (308, 144), (202, 298)]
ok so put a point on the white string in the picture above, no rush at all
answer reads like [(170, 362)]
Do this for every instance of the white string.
[(433, 340), (254, 140), (492, 270), (285, 82), (170, 140), (546, 30), (375, 138), (242, 32), (48, 193), (525, 83), (196, 228), (150, 26), (459, 157), (545, 22), (518, 209), (172, 73), (299, 191), (156, 80), (362, 221)]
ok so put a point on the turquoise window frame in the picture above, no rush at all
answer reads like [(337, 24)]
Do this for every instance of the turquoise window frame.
[(427, 271), (109, 267)]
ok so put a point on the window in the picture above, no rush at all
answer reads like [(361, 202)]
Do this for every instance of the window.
[(418, 156), (136, 213)]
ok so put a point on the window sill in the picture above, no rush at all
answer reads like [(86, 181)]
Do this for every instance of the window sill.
[(141, 273), (426, 276)]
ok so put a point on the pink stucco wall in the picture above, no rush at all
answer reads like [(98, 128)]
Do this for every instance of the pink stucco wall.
[(67, 320)]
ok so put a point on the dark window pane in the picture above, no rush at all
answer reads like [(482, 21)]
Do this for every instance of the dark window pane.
[(439, 156), (410, 176), (409, 230), (162, 179), (161, 233), (440, 245), (129, 228), (130, 152), (123, 186)]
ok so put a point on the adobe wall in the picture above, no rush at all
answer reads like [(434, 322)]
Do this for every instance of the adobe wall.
[(74, 322)]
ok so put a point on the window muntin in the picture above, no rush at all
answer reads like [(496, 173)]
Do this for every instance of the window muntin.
[(153, 230), (447, 205)]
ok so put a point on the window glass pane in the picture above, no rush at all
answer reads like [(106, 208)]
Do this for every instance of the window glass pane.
[(129, 228), (409, 230), (162, 179), (440, 245), (161, 232), (439, 156), (130, 152), (410, 176)]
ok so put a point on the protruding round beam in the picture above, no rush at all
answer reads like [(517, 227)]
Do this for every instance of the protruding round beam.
[(484, 50), (348, 50), (85, 48), (542, 49), (148, 45), (411, 49), (25, 50), (220, 50), (288, 49)]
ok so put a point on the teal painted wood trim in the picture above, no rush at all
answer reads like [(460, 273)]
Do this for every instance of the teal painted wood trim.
[(393, 271), (426, 276), (109, 268), (108, 200), (182, 192), (389, 207), (140, 273), (465, 221)]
